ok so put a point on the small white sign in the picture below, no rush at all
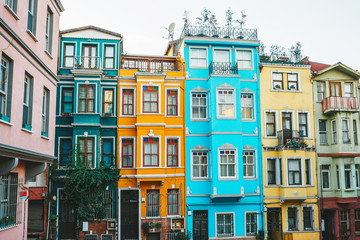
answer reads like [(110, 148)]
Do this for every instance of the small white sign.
[(85, 226)]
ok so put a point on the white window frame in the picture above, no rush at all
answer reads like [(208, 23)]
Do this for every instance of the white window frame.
[(351, 177), (348, 130), (134, 151), (229, 178), (312, 217), (121, 101), (12, 4), (298, 81), (302, 171), (45, 109), (272, 80), (297, 218), (59, 150), (63, 54), (338, 177), (233, 224), (334, 140), (217, 49), (255, 164), (317, 91), (115, 51), (329, 176), (357, 180), (142, 100), (253, 106), (265, 124), (292, 119), (5, 91), (206, 107), (257, 223), (308, 124), (310, 172), (278, 172), (178, 101), (237, 58), (77, 99), (323, 132), (161, 163), (191, 64), (178, 153), (219, 115), (113, 102), (95, 165), (207, 161), (49, 30), (33, 12), (351, 89)]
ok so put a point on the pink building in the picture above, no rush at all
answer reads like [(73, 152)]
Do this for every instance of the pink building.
[(29, 32)]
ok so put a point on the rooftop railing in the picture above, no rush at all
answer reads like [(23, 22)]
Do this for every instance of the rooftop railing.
[(152, 64), (331, 104), (220, 32)]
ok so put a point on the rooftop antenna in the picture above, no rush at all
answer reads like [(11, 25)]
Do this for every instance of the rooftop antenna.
[(171, 34)]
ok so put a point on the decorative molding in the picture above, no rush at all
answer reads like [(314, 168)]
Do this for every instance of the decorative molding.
[(227, 145), (225, 85), (199, 147), (246, 90), (199, 89), (248, 147)]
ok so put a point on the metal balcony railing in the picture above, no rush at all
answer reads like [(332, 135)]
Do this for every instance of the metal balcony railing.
[(331, 104), (286, 135), (219, 32), (223, 68), (152, 64), (171, 235), (81, 62)]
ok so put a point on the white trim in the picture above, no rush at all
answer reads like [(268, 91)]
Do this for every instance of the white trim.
[(348, 128), (310, 172), (255, 164), (61, 97), (178, 101), (279, 179), (96, 100), (95, 164), (121, 101), (207, 107), (253, 119), (63, 55), (179, 150), (292, 119), (233, 223), (208, 165), (113, 147), (257, 222), (312, 218), (120, 151), (298, 218), (142, 151), (207, 58), (115, 56), (332, 131), (59, 146), (148, 84), (276, 125), (113, 114), (223, 88), (321, 176), (308, 123), (252, 57), (227, 178), (301, 171)]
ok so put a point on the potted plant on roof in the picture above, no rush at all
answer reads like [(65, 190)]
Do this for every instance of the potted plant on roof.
[(204, 22), (228, 22), (241, 22)]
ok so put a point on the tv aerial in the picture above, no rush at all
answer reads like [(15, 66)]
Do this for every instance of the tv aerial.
[(171, 30)]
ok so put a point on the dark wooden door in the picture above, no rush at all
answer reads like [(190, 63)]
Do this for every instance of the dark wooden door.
[(274, 224), (153, 236), (327, 217), (200, 225), (130, 214), (67, 220)]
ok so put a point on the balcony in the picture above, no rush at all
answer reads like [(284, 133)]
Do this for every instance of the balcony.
[(87, 63), (340, 104), (291, 138), (223, 68), (152, 64), (219, 32)]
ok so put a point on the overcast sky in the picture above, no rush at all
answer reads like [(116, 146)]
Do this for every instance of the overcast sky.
[(328, 29)]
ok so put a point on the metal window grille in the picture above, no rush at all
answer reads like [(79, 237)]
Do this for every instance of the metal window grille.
[(225, 225), (108, 203), (251, 224), (10, 203), (173, 197), (153, 203), (106, 237), (171, 235), (91, 237)]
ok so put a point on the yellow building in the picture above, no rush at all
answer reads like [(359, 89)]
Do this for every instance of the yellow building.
[(151, 143), (289, 158)]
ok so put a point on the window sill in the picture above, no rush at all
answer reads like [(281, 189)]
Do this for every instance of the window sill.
[(155, 113), (129, 116), (32, 35), (228, 179), (201, 179), (172, 116), (198, 67), (248, 120), (26, 130), (49, 54), (349, 190), (45, 137), (271, 137), (200, 120), (6, 122), (225, 118), (249, 178), (8, 227), (12, 12), (286, 90)]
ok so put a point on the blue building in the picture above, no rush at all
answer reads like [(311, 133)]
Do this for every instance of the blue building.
[(223, 140), (86, 121)]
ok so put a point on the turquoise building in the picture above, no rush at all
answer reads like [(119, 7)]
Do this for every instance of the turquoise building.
[(86, 121), (223, 140)]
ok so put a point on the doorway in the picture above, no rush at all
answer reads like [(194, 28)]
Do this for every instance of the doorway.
[(200, 225), (67, 219), (274, 224), (90, 56), (130, 214), (328, 220)]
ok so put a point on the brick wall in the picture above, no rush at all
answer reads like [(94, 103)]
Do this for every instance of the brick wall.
[(98, 228), (165, 227)]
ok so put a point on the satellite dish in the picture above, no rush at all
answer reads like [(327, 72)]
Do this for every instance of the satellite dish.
[(171, 27)]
